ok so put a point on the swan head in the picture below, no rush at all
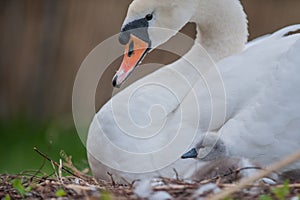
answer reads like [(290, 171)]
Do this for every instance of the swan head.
[(210, 147), (147, 25)]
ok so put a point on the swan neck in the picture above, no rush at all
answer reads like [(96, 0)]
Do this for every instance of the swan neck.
[(221, 27)]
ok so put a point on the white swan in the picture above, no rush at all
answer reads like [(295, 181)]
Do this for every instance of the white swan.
[(131, 135)]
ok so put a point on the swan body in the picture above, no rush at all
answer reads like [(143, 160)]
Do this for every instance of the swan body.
[(262, 120), (250, 98), (267, 122)]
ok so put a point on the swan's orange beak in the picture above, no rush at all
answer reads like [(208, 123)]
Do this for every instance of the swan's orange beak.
[(135, 51)]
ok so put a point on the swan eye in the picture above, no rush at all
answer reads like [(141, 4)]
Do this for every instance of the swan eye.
[(149, 17)]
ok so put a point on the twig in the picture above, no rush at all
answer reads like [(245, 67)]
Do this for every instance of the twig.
[(176, 174), (39, 170), (60, 171), (55, 163), (174, 187), (249, 180), (127, 182), (228, 174), (69, 164), (53, 166), (295, 185), (30, 171), (133, 182), (112, 179)]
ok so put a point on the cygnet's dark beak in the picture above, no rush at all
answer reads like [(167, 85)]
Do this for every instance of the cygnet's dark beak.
[(190, 154)]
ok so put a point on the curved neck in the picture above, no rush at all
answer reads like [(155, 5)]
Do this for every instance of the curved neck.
[(221, 27), (221, 31)]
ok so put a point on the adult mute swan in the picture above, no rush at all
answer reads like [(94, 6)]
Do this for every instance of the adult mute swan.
[(251, 95)]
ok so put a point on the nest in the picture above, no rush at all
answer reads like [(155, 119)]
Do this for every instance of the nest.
[(36, 185), (43, 187)]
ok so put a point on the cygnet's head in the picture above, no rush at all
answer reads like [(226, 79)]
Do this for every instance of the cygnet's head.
[(147, 25), (210, 147)]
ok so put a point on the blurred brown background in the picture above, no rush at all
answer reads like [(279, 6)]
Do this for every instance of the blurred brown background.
[(43, 42)]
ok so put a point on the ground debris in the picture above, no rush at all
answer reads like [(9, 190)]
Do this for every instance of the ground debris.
[(76, 188), (34, 185), (46, 188)]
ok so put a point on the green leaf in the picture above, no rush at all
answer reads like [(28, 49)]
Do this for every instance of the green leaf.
[(265, 197), (105, 195), (283, 191), (60, 193), (19, 187), (7, 197), (28, 189)]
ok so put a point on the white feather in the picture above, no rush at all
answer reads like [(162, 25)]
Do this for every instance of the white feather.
[(261, 102)]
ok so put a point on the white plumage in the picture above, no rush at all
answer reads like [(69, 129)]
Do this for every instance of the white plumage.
[(252, 96)]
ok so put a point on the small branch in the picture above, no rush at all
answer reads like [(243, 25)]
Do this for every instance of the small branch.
[(54, 169), (133, 182), (60, 171), (69, 164), (295, 185), (55, 163), (176, 174), (228, 174), (245, 182), (127, 182), (112, 179)]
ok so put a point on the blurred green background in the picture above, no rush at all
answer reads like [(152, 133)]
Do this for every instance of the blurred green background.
[(42, 44)]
